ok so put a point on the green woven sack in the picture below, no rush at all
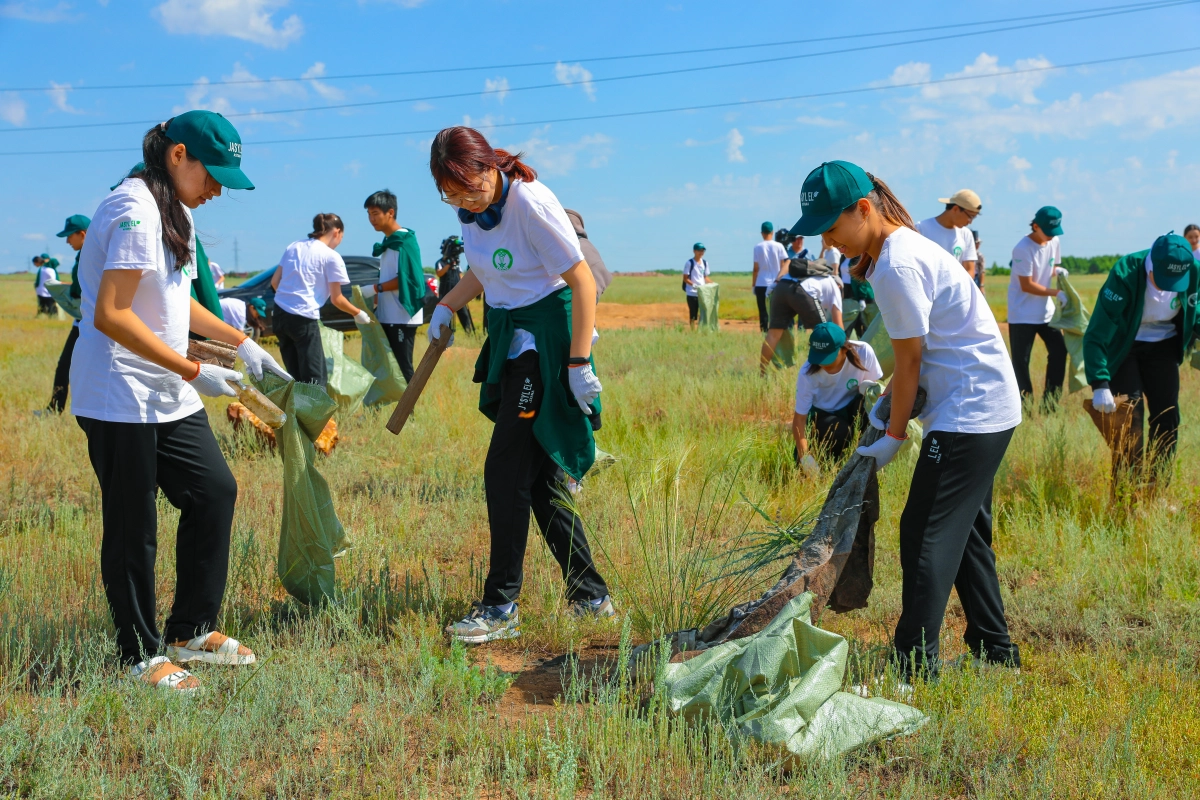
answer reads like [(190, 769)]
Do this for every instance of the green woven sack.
[(377, 358), (347, 381), (709, 299), (1072, 320)]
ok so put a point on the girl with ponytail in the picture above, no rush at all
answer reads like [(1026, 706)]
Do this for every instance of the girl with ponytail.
[(946, 339)]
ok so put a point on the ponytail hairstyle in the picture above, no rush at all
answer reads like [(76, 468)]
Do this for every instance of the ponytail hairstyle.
[(460, 154), (324, 223), (851, 356), (177, 233), (890, 208)]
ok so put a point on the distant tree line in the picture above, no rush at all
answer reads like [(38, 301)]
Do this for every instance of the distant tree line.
[(1076, 265)]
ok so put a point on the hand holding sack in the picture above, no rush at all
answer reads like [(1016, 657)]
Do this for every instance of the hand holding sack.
[(258, 359), (1060, 271), (877, 422), (866, 386), (809, 466), (884, 450), (584, 385), (1103, 401), (1062, 299), (442, 318), (368, 290), (213, 381), (362, 318)]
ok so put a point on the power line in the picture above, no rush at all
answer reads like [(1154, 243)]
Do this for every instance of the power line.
[(1041, 18), (649, 112), (610, 79)]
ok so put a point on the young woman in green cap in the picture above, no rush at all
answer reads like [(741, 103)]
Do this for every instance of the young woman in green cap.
[(538, 383), (137, 397), (829, 392), (75, 232), (946, 339), (1143, 325)]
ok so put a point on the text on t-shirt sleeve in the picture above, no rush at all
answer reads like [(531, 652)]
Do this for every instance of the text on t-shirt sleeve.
[(133, 243), (1022, 261)]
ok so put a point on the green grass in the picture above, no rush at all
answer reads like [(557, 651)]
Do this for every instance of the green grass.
[(364, 698)]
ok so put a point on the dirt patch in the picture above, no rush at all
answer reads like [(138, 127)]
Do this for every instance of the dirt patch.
[(654, 315), (542, 681)]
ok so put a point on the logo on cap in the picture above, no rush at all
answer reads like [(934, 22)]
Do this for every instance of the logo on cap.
[(806, 198), (236, 148)]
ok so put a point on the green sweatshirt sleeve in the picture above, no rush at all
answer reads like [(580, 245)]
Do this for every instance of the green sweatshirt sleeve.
[(203, 288), (1109, 325)]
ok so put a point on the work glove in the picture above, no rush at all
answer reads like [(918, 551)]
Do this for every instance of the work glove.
[(877, 423), (584, 385), (866, 386), (1060, 271), (210, 381), (809, 466), (362, 318), (1103, 401), (257, 359), (442, 317), (884, 450), (1062, 299), (368, 290)]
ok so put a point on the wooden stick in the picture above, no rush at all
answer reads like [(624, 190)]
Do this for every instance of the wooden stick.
[(412, 392), (208, 351)]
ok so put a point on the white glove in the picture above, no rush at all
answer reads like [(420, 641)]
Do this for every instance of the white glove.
[(1103, 401), (1062, 299), (257, 359), (52, 282), (876, 422), (584, 385), (362, 318), (442, 317), (884, 450), (368, 290), (1060, 271), (210, 381), (809, 466), (866, 386)]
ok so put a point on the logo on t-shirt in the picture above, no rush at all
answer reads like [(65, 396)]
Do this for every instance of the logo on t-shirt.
[(1112, 296), (851, 384), (502, 260), (1175, 304), (129, 224)]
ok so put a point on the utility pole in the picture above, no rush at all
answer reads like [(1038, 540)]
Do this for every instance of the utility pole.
[(236, 263)]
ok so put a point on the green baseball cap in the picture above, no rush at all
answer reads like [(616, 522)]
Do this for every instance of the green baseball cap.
[(1049, 219), (74, 224), (1172, 262), (823, 346), (44, 256), (699, 246), (768, 227), (213, 140), (828, 191)]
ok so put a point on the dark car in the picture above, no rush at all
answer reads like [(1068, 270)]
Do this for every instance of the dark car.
[(361, 269)]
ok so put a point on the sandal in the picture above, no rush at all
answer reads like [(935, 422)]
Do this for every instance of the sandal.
[(160, 673), (212, 648)]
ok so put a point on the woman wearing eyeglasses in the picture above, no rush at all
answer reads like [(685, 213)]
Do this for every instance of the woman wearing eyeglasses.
[(538, 383)]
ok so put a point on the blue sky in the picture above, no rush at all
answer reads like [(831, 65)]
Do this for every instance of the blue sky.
[(1114, 145)]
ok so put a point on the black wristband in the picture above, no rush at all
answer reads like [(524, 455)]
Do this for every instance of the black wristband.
[(578, 362)]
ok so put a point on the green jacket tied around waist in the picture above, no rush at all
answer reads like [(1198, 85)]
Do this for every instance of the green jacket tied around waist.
[(1118, 314), (561, 428)]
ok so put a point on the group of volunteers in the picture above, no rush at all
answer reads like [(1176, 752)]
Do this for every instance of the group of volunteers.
[(137, 397)]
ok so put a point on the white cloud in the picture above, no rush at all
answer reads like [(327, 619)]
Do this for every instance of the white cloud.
[(58, 94), (250, 20), (572, 74), (34, 237), (912, 72), (820, 122), (497, 87), (733, 146), (13, 108), (317, 70), (422, 106), (561, 159), (37, 12), (244, 92), (657, 211), (353, 167), (485, 123), (1019, 164)]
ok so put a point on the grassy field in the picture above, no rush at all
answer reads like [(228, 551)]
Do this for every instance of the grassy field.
[(364, 698)]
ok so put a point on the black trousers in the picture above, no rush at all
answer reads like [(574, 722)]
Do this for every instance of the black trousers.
[(946, 541), (445, 286), (693, 303), (402, 338), (1020, 338), (760, 295), (62, 373), (519, 476), (1149, 375), (132, 462), (46, 305), (300, 345), (834, 430)]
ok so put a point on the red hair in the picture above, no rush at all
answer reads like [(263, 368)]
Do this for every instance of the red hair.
[(460, 153)]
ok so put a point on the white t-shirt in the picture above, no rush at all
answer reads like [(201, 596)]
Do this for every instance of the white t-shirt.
[(826, 290), (698, 271), (768, 254), (309, 266), (109, 382), (832, 256), (233, 311), (922, 291), (521, 260), (958, 242), (387, 304), (218, 274), (45, 274), (832, 391), (844, 271), (1035, 261), (1158, 311)]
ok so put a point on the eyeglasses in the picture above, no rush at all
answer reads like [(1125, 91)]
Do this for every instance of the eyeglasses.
[(473, 198)]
